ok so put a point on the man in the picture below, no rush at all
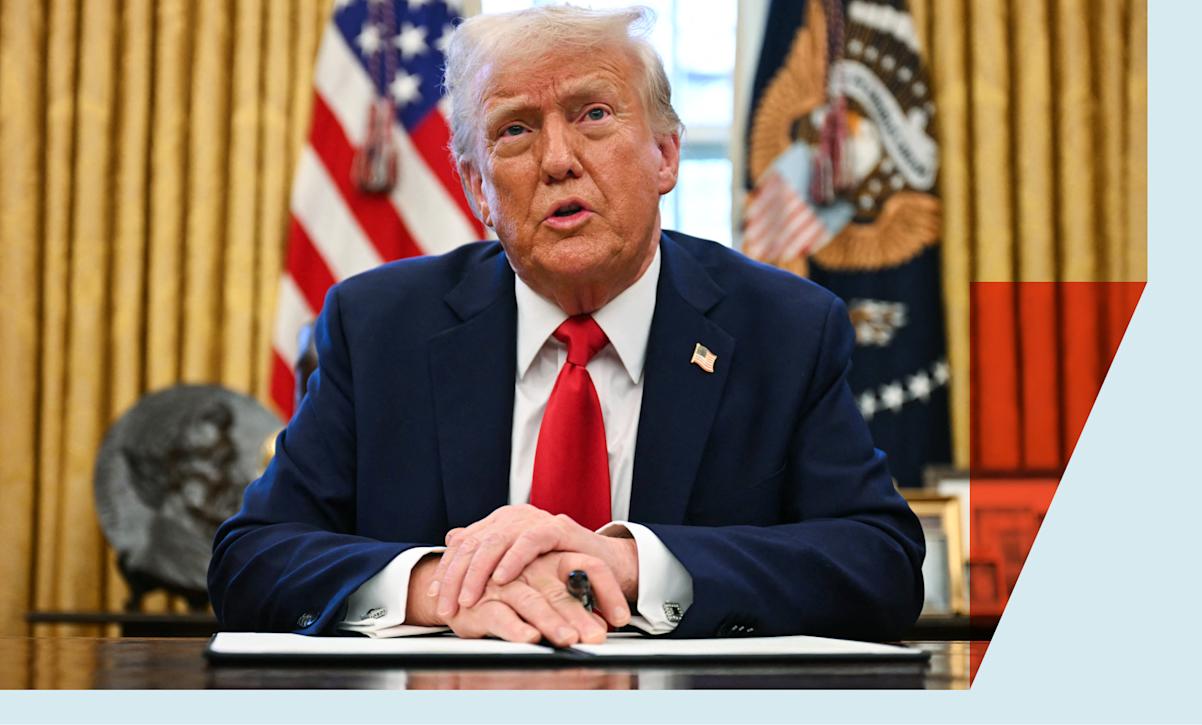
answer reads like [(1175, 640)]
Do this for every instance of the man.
[(676, 416)]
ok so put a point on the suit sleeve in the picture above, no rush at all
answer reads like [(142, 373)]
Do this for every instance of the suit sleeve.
[(847, 564), (288, 560)]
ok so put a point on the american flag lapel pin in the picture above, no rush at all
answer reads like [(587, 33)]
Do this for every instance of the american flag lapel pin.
[(703, 358)]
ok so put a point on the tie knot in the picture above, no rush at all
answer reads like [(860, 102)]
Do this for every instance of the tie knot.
[(583, 336)]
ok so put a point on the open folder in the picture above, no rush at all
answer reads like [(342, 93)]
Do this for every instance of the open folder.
[(264, 646)]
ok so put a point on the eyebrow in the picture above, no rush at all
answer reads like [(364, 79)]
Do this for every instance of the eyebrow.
[(577, 91)]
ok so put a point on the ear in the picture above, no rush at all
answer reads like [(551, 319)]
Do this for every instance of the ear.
[(669, 161), (473, 188)]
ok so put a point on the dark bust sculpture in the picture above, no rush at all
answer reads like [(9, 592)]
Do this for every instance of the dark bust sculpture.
[(170, 470)]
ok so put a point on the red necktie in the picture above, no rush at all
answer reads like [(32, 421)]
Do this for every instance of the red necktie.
[(571, 463)]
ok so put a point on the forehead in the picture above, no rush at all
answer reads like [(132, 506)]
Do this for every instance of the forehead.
[(557, 77)]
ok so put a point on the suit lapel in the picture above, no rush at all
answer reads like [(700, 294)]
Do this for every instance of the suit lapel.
[(472, 368), (679, 398)]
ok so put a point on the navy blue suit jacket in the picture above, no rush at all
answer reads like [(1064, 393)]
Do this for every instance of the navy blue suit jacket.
[(761, 478)]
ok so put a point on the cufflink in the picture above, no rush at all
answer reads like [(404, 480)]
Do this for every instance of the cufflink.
[(375, 613), (673, 612), (305, 620)]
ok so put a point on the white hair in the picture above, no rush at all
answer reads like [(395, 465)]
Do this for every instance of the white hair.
[(526, 35)]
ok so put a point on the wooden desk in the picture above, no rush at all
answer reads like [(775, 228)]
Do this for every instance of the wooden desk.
[(176, 663)]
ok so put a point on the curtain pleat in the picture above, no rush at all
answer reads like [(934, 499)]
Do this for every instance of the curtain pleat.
[(22, 126), (1135, 160), (168, 190), (79, 567), (949, 70), (204, 226), (307, 27), (56, 202), (127, 287), (991, 127), (273, 204), (1034, 191), (241, 233), (1108, 52)]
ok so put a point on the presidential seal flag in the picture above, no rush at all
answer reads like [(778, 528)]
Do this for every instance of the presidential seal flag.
[(842, 164), (374, 182)]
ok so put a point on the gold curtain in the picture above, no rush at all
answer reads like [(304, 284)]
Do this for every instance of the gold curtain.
[(1042, 123), (147, 150)]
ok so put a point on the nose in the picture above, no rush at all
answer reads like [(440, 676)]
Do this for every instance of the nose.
[(559, 161)]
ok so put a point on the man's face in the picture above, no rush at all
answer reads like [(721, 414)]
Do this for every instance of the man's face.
[(569, 174)]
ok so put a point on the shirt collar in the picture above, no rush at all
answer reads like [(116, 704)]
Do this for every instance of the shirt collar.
[(626, 321)]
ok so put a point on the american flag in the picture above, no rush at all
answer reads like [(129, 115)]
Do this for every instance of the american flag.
[(703, 358), (370, 50)]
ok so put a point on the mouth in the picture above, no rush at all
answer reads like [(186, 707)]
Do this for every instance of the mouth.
[(568, 214)]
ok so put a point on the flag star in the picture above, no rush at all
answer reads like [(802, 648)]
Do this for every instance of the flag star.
[(411, 40), (940, 372), (369, 39), (445, 39), (866, 334), (405, 88), (456, 5), (892, 396), (920, 386), (417, 4), (867, 403)]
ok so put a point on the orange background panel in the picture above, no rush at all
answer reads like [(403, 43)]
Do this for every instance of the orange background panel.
[(1040, 353)]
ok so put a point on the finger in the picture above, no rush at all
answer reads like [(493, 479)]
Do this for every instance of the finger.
[(526, 548), (610, 602), (495, 619), (452, 578), (590, 626), (454, 539), (481, 567), (440, 571), (504, 622), (536, 610)]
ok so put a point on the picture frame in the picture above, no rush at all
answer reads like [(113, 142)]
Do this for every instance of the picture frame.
[(944, 571)]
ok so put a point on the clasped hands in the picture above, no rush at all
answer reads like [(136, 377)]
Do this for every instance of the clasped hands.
[(504, 576)]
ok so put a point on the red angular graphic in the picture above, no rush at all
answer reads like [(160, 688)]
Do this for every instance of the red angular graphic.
[(1040, 351)]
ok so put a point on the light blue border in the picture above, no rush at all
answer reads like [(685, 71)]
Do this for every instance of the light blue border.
[(1103, 626)]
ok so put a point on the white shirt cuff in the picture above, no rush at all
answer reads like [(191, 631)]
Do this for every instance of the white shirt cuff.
[(665, 586), (377, 607)]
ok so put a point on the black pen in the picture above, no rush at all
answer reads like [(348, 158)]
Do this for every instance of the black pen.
[(579, 587)]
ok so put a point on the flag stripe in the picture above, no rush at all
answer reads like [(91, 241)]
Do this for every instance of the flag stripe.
[(803, 237), (332, 228), (375, 213), (432, 139), (282, 382), (291, 312), (306, 267), (776, 218)]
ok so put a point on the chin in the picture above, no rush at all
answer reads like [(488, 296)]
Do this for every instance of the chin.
[(579, 257)]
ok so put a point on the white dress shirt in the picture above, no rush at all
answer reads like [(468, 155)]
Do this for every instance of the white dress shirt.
[(377, 607)]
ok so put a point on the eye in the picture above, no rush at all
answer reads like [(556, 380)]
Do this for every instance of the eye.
[(513, 129), (596, 114)]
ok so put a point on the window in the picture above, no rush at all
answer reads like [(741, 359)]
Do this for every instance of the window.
[(696, 39)]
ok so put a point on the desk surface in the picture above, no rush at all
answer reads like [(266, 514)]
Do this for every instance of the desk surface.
[(177, 664)]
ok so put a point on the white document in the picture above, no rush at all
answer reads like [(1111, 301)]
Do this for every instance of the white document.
[(272, 643), (263, 644), (800, 646)]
